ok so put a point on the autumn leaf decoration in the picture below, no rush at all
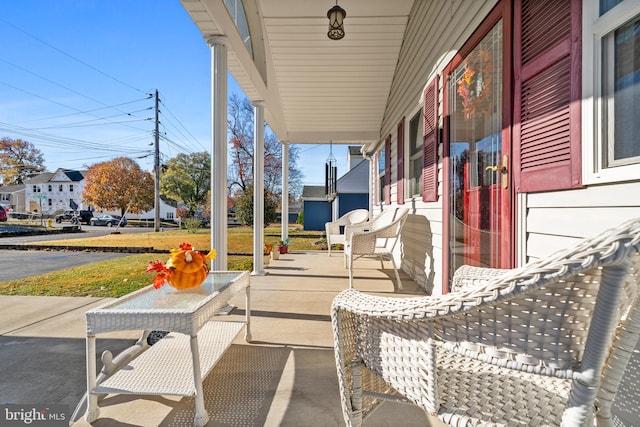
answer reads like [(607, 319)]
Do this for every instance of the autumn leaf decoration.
[(185, 268), (474, 87)]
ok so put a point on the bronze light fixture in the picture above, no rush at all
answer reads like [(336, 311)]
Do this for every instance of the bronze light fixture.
[(336, 17)]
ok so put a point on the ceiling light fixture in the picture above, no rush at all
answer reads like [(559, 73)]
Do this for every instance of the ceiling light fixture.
[(336, 17)]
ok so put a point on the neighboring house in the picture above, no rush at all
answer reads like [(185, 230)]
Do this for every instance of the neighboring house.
[(49, 192), (352, 189), (316, 207), (62, 190), (168, 208), (509, 128), (12, 197), (352, 192)]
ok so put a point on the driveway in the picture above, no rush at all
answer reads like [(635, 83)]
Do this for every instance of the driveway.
[(18, 264)]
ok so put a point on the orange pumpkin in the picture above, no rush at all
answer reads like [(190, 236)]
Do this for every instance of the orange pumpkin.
[(187, 261), (186, 280)]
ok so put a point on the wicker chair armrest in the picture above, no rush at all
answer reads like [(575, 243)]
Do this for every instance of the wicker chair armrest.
[(332, 228), (468, 276), (406, 309), (358, 228), (362, 243)]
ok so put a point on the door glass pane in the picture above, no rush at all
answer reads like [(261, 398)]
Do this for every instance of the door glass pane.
[(475, 111)]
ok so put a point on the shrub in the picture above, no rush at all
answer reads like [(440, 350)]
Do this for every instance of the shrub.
[(192, 224), (244, 210)]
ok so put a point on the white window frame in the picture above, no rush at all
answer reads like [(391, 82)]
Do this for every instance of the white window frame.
[(594, 28), (410, 158), (380, 154)]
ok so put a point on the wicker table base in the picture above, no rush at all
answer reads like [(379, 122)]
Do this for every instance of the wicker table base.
[(178, 363)]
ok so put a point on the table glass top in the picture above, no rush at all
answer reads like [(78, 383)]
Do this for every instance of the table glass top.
[(168, 298)]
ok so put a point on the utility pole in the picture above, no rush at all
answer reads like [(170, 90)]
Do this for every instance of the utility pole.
[(156, 167)]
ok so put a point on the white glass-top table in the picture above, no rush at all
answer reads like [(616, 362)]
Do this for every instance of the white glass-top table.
[(165, 368)]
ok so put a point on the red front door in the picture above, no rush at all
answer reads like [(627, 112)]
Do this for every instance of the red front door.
[(479, 198)]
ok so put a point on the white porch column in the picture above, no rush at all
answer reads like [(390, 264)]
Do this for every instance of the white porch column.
[(218, 45), (258, 188), (285, 191)]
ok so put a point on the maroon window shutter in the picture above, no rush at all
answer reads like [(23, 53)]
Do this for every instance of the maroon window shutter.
[(387, 170), (547, 58), (430, 143), (400, 181)]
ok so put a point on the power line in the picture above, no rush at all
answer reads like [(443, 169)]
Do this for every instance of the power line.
[(53, 82), (182, 125), (45, 98), (71, 56), (86, 111)]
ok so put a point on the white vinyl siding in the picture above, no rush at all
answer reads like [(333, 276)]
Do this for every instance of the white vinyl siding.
[(557, 220), (436, 30)]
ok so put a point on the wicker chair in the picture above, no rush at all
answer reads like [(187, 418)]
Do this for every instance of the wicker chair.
[(545, 344), (376, 238), (334, 229)]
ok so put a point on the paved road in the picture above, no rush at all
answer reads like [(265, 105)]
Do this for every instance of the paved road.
[(19, 264)]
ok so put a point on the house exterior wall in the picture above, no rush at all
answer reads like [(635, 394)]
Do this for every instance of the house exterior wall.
[(555, 220), (54, 194), (12, 197), (167, 212), (316, 214), (435, 32), (545, 221), (350, 201)]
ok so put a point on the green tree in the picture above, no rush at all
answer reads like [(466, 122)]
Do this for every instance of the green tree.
[(19, 161), (187, 178), (119, 184), (244, 208)]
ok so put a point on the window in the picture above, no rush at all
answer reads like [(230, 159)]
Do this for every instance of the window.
[(50, 188), (36, 189), (620, 82), (381, 174), (415, 154), (71, 188), (607, 5), (236, 10), (611, 45), (50, 202), (5, 197)]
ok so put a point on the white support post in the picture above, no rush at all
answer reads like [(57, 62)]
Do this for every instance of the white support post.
[(218, 45), (285, 191), (258, 188)]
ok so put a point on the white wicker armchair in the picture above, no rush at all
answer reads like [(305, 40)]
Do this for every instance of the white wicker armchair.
[(335, 236), (545, 344), (376, 238)]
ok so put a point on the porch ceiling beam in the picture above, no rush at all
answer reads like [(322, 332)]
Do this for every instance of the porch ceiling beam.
[(337, 137)]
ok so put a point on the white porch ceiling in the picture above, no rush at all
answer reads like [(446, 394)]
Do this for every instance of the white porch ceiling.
[(316, 90)]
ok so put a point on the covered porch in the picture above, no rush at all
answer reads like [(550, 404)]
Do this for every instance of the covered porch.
[(286, 376)]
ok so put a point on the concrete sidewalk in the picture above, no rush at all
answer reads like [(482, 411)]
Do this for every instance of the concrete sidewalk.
[(285, 377)]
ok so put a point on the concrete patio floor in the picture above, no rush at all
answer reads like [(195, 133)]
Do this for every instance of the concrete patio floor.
[(285, 376)]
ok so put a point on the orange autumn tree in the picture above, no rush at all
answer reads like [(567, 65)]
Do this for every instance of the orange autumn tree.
[(119, 184)]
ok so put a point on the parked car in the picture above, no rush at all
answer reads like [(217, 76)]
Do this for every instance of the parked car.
[(75, 216), (109, 220), (3, 214)]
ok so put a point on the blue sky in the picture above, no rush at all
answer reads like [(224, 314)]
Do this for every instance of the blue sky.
[(75, 79)]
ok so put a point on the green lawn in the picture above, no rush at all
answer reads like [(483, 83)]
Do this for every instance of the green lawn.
[(118, 277)]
